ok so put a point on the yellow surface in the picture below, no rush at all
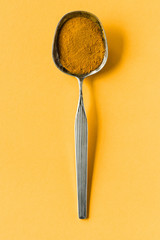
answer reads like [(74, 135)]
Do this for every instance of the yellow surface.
[(37, 109)]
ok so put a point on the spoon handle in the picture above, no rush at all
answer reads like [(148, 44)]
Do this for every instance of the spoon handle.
[(81, 145)]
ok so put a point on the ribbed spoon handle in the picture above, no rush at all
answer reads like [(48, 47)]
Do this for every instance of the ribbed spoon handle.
[(81, 145)]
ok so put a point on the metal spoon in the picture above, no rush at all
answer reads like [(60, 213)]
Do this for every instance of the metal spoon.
[(81, 129)]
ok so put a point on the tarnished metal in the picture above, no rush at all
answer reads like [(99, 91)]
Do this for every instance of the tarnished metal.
[(81, 129)]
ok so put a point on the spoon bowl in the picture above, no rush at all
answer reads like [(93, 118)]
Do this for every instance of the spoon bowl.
[(55, 51), (81, 127)]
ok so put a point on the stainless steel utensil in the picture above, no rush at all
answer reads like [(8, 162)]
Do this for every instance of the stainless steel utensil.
[(81, 129)]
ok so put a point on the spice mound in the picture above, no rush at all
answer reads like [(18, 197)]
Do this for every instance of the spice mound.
[(80, 45)]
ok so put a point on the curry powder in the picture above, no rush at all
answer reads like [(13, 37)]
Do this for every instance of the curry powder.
[(81, 46)]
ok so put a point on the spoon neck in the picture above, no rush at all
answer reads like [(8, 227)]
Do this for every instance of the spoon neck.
[(80, 88)]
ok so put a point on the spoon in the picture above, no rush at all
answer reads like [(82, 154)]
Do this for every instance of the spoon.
[(81, 128)]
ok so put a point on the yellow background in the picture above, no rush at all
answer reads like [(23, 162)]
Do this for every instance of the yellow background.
[(38, 103)]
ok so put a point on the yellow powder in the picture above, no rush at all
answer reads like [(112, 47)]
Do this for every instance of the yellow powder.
[(80, 44)]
